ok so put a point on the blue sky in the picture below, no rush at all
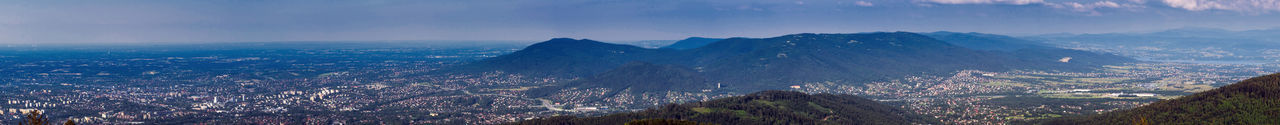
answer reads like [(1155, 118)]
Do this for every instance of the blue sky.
[(146, 21)]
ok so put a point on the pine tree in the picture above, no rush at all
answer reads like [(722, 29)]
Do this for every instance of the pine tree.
[(35, 118)]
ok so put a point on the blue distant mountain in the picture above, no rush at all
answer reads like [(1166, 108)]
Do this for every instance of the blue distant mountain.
[(1179, 44), (691, 42), (1194, 32), (751, 64), (1272, 34), (980, 41), (1026, 49), (563, 57)]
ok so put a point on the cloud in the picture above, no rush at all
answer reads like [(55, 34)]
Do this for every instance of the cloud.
[(1014, 2), (1248, 6), (863, 3), (1086, 7), (1090, 8)]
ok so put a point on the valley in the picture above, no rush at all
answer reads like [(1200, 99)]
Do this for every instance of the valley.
[(640, 62), (405, 85)]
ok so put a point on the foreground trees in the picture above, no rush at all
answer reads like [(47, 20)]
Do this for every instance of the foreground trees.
[(35, 117)]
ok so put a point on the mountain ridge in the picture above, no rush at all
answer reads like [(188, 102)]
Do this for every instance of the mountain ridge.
[(751, 64), (981, 41), (691, 42), (563, 57), (835, 57)]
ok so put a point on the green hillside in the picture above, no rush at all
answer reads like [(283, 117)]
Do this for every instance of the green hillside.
[(1254, 101)]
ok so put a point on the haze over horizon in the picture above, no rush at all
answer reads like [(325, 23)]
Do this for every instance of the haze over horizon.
[(148, 21)]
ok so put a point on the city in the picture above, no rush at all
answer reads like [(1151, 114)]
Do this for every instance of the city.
[(318, 86), (569, 62)]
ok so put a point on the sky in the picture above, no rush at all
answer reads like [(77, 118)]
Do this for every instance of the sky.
[(178, 21)]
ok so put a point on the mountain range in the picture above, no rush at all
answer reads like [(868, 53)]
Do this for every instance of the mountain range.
[(1027, 49), (753, 64), (563, 57), (691, 42), (990, 42)]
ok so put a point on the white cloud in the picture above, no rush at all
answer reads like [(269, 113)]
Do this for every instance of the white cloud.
[(1086, 7), (1248, 6), (1090, 8), (1108, 4), (1014, 2), (863, 3)]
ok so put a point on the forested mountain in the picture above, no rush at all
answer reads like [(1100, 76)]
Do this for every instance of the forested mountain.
[(766, 107), (991, 42), (1032, 51), (691, 42), (563, 57), (763, 63), (1254, 101), (752, 64)]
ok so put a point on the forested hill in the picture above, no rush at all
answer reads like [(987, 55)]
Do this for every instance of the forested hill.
[(766, 107), (981, 41), (691, 42), (752, 64), (562, 57), (1255, 101), (1031, 51)]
